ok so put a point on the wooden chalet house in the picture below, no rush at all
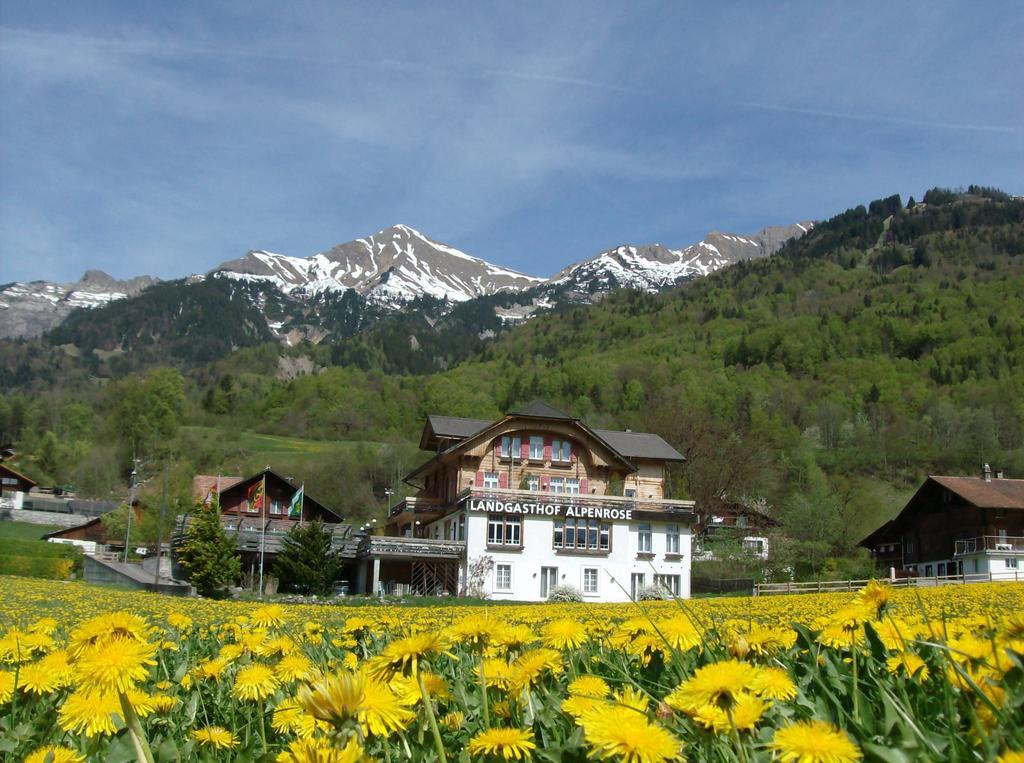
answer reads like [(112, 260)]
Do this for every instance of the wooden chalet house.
[(543, 500), (13, 487), (956, 526), (262, 509)]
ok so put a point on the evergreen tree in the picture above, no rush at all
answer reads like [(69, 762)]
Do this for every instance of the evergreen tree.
[(307, 560), (208, 554)]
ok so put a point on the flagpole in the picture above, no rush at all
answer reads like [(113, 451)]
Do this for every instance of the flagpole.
[(302, 502), (263, 535)]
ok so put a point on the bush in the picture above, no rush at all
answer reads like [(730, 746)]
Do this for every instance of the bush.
[(653, 593), (51, 567), (564, 593)]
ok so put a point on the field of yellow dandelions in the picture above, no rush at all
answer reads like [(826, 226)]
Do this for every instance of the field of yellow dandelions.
[(926, 675)]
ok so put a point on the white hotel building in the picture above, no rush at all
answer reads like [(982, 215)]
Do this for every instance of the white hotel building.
[(514, 507)]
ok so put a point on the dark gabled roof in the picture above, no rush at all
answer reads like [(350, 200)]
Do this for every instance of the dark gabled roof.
[(17, 474), (455, 426), (307, 497), (986, 494), (640, 445), (541, 410)]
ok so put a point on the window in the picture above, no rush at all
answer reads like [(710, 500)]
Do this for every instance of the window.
[(557, 485), (533, 482), (668, 582), (462, 527), (590, 580), (275, 507), (511, 446), (561, 450), (572, 486), (536, 447), (927, 570), (636, 584), (1011, 563), (942, 569), (643, 538), (491, 480), (581, 534), (504, 530), (548, 580), (671, 539), (503, 577), (629, 492)]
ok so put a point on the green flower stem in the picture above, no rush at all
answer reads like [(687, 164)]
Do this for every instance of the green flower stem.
[(428, 705), (856, 703), (483, 694), (736, 736), (131, 720), (263, 727)]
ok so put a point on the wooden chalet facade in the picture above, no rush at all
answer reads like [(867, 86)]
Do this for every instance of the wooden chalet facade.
[(13, 487), (956, 526), (549, 501)]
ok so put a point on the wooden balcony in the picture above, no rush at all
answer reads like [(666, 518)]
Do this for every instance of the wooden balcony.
[(410, 548), (993, 544), (414, 505)]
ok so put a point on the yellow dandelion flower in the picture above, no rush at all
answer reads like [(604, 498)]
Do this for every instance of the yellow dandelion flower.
[(634, 699), (6, 686), (453, 721), (564, 634), (350, 661), (255, 682), (334, 697), (680, 633), (531, 665), (45, 625), (589, 686), (746, 714), (501, 709), (814, 742), (90, 712), (230, 652), (475, 631), (268, 616), (380, 711), (773, 683), (403, 654), (114, 664), (294, 667), (179, 621), (719, 683), (320, 751), (163, 703), (212, 668), (509, 744), (35, 678), (215, 737), (120, 625), (627, 737), (53, 754), (1011, 756), (513, 637), (909, 664)]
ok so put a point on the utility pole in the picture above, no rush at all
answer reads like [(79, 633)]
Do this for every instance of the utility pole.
[(160, 528), (133, 484)]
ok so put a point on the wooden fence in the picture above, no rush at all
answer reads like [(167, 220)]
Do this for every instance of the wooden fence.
[(827, 586)]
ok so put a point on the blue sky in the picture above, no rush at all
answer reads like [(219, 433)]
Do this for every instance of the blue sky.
[(164, 138)]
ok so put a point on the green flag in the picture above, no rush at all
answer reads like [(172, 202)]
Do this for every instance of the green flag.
[(295, 507)]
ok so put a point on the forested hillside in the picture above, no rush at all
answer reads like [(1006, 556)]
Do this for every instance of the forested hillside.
[(824, 381)]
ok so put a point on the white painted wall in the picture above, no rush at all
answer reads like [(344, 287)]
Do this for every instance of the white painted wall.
[(614, 569)]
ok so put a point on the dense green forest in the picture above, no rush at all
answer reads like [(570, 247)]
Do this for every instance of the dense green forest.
[(822, 383)]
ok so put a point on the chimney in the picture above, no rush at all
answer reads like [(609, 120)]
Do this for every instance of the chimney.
[(986, 472)]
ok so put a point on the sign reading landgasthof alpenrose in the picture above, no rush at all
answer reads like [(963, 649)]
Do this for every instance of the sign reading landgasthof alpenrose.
[(534, 508)]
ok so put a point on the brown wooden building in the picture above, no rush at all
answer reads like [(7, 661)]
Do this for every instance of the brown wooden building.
[(13, 487), (955, 526)]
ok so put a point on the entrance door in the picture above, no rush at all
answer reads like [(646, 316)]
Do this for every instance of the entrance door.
[(548, 580)]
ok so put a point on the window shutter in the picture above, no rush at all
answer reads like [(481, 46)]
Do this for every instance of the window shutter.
[(503, 480), (584, 486), (479, 479), (497, 448), (545, 482), (524, 448), (547, 448)]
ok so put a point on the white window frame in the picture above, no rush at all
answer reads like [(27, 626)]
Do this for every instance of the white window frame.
[(561, 451), (492, 480), (556, 485), (644, 543), (636, 584), (672, 539), (672, 582), (533, 482), (1011, 563), (511, 446), (536, 447), (590, 580), (498, 569), (572, 486), (504, 530)]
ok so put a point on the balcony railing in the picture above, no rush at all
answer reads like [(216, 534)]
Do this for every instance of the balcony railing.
[(416, 505), (985, 543), (636, 503), (383, 545)]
